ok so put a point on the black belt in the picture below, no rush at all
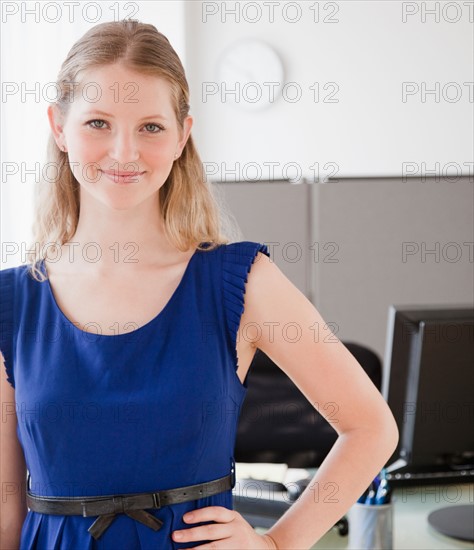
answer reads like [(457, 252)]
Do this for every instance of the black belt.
[(132, 504)]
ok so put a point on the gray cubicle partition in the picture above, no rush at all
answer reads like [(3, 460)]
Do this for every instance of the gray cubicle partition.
[(365, 243), (277, 213), (398, 241)]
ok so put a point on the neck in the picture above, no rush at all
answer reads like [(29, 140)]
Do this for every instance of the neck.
[(107, 238)]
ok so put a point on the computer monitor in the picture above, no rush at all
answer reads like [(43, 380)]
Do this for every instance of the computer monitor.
[(428, 383)]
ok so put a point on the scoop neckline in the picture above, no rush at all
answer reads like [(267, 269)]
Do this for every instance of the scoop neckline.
[(129, 334)]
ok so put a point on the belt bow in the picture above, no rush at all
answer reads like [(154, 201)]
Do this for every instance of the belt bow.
[(132, 505)]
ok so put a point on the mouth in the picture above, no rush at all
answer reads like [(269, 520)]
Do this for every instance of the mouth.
[(122, 177)]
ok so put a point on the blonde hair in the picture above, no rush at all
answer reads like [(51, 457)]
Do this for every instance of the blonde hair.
[(191, 209)]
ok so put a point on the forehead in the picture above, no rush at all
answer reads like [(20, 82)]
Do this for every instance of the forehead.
[(116, 86)]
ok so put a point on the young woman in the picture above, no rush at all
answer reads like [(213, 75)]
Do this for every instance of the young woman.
[(123, 370)]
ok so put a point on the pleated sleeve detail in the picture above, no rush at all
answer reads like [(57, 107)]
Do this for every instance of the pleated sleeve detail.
[(6, 320), (237, 261)]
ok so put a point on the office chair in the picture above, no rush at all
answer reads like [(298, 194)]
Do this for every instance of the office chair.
[(279, 425)]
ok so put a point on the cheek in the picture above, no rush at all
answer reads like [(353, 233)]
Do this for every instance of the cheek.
[(85, 161), (89, 148), (157, 155)]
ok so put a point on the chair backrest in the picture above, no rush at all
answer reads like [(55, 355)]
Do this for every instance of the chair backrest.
[(279, 425)]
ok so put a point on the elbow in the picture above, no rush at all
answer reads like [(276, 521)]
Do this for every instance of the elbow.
[(391, 428), (388, 434), (393, 437), (383, 432)]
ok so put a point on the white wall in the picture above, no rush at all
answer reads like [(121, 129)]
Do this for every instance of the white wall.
[(369, 134), (368, 53), (34, 44)]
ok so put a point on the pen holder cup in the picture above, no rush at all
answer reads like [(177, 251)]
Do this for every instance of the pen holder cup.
[(370, 527)]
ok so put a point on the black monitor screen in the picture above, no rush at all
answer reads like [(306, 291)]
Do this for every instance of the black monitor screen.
[(429, 386)]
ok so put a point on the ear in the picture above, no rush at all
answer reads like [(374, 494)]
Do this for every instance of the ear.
[(56, 122), (187, 125)]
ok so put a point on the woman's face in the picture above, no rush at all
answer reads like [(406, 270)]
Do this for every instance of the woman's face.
[(121, 123)]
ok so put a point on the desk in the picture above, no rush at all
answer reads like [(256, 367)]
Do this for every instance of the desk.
[(412, 506)]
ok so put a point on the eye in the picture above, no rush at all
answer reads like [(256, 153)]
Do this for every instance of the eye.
[(95, 120), (159, 126)]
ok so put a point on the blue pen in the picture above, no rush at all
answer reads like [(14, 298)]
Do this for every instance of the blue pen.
[(384, 490), (371, 494), (377, 480)]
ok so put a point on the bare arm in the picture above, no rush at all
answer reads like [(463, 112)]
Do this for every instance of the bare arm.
[(13, 508), (337, 386)]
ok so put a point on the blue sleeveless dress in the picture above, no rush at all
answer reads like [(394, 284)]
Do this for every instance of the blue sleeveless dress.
[(152, 409)]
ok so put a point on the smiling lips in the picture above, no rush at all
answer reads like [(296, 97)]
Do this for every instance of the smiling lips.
[(122, 177)]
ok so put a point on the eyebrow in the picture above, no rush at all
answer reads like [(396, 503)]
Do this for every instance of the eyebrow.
[(95, 112)]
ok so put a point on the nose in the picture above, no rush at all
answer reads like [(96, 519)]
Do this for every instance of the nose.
[(124, 149)]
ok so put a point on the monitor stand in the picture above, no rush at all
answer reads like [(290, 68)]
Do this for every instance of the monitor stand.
[(454, 521)]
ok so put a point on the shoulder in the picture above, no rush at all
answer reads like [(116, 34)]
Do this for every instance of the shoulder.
[(10, 279), (249, 264), (6, 271), (15, 283), (8, 284), (244, 252), (9, 275), (271, 299)]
